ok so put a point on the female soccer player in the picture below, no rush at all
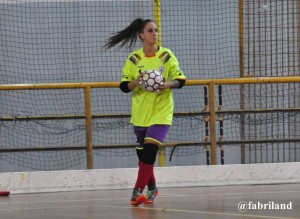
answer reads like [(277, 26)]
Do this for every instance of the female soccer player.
[(152, 112)]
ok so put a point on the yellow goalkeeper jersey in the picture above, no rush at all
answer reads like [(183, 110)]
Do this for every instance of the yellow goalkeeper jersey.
[(150, 108)]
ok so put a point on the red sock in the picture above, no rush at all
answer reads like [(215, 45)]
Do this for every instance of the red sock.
[(152, 180), (144, 175)]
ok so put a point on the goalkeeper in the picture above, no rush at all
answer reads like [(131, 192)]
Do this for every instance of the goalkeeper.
[(152, 112)]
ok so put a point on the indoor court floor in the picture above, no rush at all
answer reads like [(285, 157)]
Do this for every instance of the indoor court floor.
[(214, 202)]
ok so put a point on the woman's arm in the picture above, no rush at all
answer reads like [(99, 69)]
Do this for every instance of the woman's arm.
[(173, 84), (127, 86)]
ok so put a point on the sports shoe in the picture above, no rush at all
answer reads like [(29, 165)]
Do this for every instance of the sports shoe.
[(137, 198), (151, 194)]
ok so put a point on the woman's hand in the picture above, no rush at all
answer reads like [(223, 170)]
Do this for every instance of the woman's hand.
[(134, 83), (167, 85)]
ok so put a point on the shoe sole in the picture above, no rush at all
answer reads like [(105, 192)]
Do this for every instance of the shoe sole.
[(151, 201), (139, 200)]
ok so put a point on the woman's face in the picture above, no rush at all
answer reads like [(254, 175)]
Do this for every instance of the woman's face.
[(150, 33)]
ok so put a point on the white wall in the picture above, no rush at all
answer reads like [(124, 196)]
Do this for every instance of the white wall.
[(53, 181)]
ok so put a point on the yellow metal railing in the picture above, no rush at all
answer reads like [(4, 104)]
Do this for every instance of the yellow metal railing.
[(88, 107), (157, 18)]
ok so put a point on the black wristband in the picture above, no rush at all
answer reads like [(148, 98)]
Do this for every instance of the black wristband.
[(124, 86), (181, 83)]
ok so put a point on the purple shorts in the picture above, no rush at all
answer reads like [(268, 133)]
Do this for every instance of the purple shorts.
[(155, 132)]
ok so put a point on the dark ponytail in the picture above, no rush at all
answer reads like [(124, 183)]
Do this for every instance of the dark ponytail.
[(128, 36)]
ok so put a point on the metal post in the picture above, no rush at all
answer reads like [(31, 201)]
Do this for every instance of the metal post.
[(212, 118), (221, 130), (88, 126), (206, 119), (157, 19), (242, 75)]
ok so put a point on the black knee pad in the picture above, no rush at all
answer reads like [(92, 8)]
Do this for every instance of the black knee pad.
[(139, 152), (149, 153)]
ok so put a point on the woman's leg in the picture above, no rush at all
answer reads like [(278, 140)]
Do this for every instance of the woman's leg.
[(147, 155), (140, 133), (137, 197), (156, 134)]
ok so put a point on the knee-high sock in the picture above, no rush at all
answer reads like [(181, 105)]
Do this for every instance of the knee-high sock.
[(152, 180), (144, 174)]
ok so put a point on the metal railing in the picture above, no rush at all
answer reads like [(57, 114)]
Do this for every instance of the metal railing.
[(211, 112)]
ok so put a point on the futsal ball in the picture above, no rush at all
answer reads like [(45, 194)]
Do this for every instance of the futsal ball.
[(151, 80)]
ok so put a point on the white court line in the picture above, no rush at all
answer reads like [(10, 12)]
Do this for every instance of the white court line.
[(235, 193), (67, 200), (160, 196), (163, 210)]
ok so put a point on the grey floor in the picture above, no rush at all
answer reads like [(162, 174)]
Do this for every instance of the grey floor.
[(172, 203)]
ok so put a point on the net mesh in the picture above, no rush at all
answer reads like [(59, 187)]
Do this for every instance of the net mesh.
[(47, 41)]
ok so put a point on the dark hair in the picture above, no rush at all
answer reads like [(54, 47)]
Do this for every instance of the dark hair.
[(128, 36)]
